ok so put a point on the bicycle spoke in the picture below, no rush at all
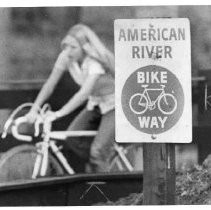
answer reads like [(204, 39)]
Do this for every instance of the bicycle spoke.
[(166, 100)]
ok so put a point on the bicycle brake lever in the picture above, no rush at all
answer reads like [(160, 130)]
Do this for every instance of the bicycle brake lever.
[(37, 126), (40, 119), (45, 108)]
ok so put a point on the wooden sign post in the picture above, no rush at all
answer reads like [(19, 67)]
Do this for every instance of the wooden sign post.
[(159, 174), (153, 96)]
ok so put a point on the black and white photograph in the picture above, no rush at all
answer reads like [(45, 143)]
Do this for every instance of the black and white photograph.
[(105, 105)]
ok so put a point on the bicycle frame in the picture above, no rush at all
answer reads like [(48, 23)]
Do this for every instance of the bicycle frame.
[(151, 103)]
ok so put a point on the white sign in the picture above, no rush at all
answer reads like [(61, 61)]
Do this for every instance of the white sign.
[(153, 80)]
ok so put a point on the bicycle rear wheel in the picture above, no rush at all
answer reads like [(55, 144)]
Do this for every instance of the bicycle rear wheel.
[(138, 103), (18, 163)]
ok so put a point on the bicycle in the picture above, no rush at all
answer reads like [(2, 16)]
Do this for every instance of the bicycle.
[(45, 162), (139, 103)]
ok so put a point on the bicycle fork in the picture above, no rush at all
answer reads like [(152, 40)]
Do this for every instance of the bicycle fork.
[(61, 158), (41, 161)]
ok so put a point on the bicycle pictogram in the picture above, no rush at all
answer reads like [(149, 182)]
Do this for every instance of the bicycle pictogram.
[(152, 99), (141, 102)]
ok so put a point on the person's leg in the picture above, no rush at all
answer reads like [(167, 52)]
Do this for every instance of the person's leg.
[(85, 120), (102, 144)]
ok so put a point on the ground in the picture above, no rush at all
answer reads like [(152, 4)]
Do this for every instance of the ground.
[(193, 187)]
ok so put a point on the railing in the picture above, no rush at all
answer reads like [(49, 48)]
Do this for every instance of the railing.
[(13, 93)]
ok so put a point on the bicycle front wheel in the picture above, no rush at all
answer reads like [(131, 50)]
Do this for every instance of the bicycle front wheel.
[(167, 104), (18, 163)]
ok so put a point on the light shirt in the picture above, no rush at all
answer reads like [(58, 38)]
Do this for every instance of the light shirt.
[(103, 92)]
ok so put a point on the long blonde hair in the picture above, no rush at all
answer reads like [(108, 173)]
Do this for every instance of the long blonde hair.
[(93, 46)]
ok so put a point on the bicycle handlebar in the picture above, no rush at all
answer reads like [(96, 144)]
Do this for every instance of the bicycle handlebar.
[(41, 119), (15, 123), (10, 120), (6, 126), (15, 132)]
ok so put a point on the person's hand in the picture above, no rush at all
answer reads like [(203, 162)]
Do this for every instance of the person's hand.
[(32, 116), (50, 116)]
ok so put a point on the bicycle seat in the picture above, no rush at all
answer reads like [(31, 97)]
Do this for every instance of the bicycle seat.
[(144, 86)]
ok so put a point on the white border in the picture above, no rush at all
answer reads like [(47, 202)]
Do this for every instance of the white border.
[(35, 3)]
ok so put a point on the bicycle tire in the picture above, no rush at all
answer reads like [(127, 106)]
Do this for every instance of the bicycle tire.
[(174, 104), (135, 109), (18, 163)]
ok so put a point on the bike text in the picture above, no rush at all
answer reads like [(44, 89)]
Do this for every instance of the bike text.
[(152, 77)]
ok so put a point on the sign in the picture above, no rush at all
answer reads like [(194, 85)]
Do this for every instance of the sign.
[(153, 80)]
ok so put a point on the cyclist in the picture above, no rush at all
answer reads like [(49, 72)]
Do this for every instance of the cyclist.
[(91, 65)]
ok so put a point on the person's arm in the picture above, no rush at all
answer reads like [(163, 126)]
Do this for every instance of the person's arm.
[(50, 84), (80, 97), (48, 87)]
